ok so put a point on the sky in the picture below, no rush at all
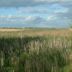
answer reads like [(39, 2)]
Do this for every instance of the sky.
[(36, 13)]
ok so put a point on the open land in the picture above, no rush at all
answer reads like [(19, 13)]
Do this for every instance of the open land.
[(35, 50)]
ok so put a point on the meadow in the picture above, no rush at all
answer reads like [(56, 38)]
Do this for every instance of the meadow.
[(35, 50)]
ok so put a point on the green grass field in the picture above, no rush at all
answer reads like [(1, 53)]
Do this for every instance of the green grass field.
[(35, 50)]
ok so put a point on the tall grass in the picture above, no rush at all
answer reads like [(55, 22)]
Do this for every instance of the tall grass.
[(36, 54)]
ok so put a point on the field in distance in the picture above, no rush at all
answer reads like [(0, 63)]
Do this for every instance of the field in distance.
[(17, 32)]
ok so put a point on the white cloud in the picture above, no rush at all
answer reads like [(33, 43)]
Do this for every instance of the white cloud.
[(65, 10), (35, 21), (51, 17), (3, 16), (46, 0), (29, 18), (48, 9)]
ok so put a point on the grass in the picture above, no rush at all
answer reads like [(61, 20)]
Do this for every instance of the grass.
[(36, 51)]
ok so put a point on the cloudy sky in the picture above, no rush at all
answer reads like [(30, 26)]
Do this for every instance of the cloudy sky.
[(35, 13)]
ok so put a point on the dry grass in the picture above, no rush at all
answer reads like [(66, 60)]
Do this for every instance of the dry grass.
[(35, 50), (10, 30), (35, 32)]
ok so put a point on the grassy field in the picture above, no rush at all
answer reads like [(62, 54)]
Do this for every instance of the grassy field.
[(35, 50)]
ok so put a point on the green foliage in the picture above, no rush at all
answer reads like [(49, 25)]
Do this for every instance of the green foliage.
[(35, 54)]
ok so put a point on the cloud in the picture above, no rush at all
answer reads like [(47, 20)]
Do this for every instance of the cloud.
[(33, 21), (52, 0), (18, 3), (51, 17), (41, 15), (43, 9)]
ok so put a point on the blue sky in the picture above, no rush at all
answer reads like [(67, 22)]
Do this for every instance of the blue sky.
[(35, 13)]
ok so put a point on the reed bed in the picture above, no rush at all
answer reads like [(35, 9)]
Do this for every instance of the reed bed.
[(49, 53)]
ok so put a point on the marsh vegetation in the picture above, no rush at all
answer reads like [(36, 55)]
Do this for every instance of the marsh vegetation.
[(36, 51)]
